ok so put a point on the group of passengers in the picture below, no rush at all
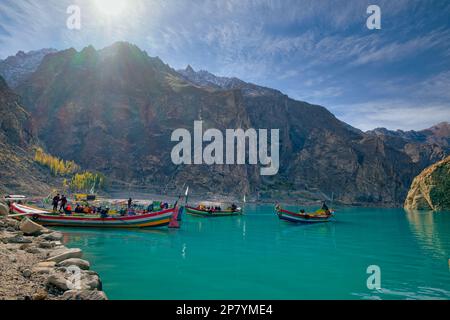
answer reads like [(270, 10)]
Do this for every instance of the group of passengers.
[(211, 209), (61, 205)]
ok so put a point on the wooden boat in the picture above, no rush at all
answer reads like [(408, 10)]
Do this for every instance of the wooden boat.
[(169, 217), (315, 217), (206, 209)]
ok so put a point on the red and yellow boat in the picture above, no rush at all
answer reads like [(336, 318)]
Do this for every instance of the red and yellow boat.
[(169, 217), (314, 217)]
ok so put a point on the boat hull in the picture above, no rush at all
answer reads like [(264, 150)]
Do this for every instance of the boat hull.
[(151, 220), (302, 218), (197, 212)]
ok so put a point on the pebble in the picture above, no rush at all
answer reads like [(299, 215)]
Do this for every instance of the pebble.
[(26, 273)]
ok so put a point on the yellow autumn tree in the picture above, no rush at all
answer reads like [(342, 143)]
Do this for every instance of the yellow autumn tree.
[(86, 180), (57, 166)]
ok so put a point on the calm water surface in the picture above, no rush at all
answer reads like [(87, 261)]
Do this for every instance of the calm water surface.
[(256, 256)]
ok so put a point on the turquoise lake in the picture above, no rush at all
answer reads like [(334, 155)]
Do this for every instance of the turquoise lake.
[(256, 256)]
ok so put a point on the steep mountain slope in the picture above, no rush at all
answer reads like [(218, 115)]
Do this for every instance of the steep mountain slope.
[(431, 189), (114, 110), (16, 69), (18, 172)]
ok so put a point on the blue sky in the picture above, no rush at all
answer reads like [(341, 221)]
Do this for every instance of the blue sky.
[(317, 51)]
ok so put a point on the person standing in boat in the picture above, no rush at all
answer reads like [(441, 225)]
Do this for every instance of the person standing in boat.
[(55, 202), (63, 203), (130, 202)]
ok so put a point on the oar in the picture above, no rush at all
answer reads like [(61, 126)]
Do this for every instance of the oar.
[(19, 215)]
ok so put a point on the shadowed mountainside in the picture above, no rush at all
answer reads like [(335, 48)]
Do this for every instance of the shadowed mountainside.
[(18, 171)]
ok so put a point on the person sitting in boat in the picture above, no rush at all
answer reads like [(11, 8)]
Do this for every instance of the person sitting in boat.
[(302, 211), (122, 212), (150, 207), (68, 210), (78, 209), (55, 202), (234, 207), (104, 213)]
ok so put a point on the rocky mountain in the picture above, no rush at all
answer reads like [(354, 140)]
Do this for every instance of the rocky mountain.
[(18, 172), (16, 69), (438, 134), (114, 110), (424, 147), (431, 189), (206, 79)]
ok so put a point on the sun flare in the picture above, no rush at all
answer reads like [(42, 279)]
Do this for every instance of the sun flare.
[(111, 7)]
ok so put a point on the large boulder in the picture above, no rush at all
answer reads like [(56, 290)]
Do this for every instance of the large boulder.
[(31, 228), (58, 281), (84, 295), (54, 236), (80, 263), (430, 190), (4, 210), (64, 279), (66, 254)]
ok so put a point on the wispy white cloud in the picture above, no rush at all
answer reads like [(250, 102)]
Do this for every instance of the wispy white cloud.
[(404, 115)]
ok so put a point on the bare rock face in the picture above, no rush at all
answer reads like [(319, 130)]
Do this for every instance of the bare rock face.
[(431, 189), (16, 69)]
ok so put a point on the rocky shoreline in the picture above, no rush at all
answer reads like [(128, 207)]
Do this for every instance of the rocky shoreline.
[(35, 265)]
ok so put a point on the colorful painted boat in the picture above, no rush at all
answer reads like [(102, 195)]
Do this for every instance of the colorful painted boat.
[(213, 213), (316, 217), (169, 217)]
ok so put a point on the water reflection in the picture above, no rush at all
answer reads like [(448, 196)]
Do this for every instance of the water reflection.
[(431, 232)]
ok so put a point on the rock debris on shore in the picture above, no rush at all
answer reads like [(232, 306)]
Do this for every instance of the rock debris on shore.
[(35, 265)]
